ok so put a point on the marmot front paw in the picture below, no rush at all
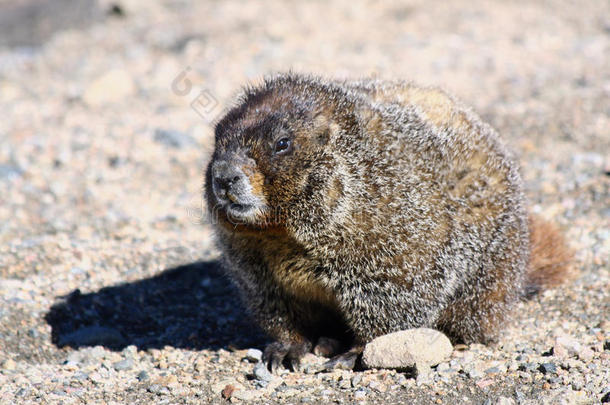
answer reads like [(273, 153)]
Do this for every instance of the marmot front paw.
[(278, 353)]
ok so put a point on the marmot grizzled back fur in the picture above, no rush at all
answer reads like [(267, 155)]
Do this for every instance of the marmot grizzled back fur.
[(352, 209)]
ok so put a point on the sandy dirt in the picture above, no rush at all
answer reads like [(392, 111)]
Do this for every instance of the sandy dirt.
[(110, 287)]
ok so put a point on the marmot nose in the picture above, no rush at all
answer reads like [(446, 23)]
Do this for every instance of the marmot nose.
[(226, 176)]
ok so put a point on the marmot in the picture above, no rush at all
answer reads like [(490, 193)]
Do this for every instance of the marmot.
[(352, 209)]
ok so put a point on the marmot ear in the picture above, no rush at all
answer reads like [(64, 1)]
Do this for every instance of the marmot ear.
[(324, 129)]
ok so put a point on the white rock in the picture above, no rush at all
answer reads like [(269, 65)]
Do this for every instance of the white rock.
[(505, 401), (111, 87), (405, 349), (219, 386), (246, 395), (423, 372), (360, 395), (254, 355), (9, 364), (566, 346)]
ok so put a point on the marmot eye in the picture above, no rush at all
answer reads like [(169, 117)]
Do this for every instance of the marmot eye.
[(282, 145)]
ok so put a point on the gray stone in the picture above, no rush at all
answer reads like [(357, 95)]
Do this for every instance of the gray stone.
[(547, 368), (22, 392), (405, 349), (261, 372), (9, 172), (475, 371), (402, 380), (493, 370), (122, 365), (158, 389), (174, 139), (529, 367), (80, 376), (143, 376), (356, 380)]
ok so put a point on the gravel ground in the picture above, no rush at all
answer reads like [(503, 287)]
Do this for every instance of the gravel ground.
[(110, 290)]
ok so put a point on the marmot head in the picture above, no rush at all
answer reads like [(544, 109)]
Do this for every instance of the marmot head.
[(272, 153)]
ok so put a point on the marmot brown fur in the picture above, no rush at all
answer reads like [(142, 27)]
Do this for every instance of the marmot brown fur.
[(354, 209)]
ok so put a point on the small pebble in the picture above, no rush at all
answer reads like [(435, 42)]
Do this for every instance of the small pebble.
[(122, 365), (79, 375), (9, 172), (261, 373), (423, 373), (530, 367), (492, 370), (254, 355), (200, 364), (9, 365), (227, 391), (158, 389), (245, 395), (175, 139), (143, 376), (547, 368), (360, 394), (345, 383), (505, 401)]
